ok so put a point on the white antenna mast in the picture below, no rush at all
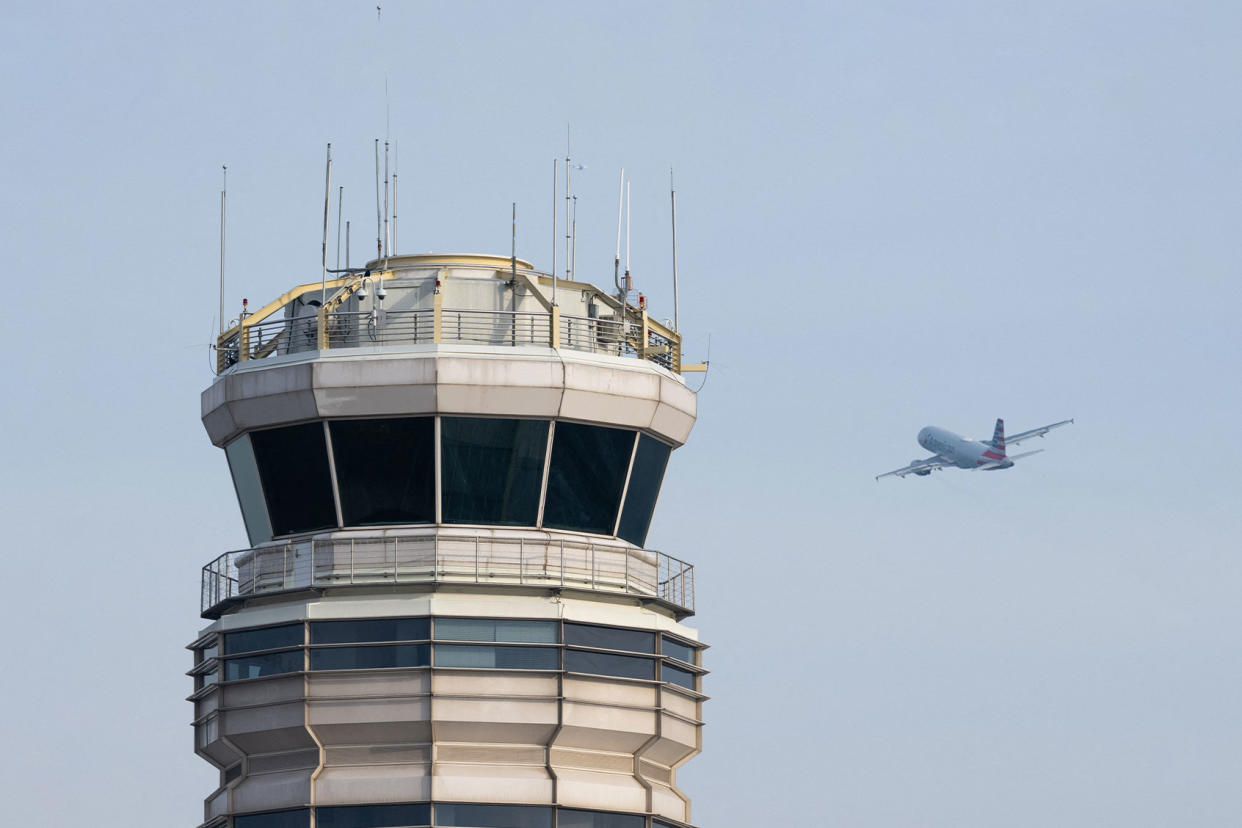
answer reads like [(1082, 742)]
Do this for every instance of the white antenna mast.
[(224, 188), (628, 284), (396, 162), (340, 201), (568, 232), (379, 232), (555, 164), (672, 191), (573, 256), (387, 238), (327, 198), (616, 261)]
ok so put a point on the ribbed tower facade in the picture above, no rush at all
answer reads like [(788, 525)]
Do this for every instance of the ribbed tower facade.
[(447, 614)]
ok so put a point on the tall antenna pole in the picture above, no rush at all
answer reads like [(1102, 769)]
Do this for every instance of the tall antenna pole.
[(573, 256), (396, 162), (379, 232), (616, 261), (568, 229), (387, 238), (672, 191), (340, 201), (224, 190), (555, 164), (628, 202), (327, 197)]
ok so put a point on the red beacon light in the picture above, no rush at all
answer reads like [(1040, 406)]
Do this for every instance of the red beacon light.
[(642, 302)]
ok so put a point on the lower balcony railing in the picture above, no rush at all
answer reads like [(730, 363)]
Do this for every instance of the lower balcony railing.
[(447, 558)]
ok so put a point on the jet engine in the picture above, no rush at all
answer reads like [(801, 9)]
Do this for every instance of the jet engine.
[(922, 473)]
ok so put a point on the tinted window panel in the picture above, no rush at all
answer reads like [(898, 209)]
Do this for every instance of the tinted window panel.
[(678, 676), (373, 816), (494, 816), (385, 470), (500, 658), (265, 638), (276, 819), (597, 819), (677, 650), (245, 473), (272, 664), (491, 470), (605, 664), (368, 658), (586, 477), (640, 499), (379, 629), (293, 465), (609, 638), (489, 629)]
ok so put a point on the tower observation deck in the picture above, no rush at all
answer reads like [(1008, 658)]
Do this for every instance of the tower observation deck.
[(447, 614)]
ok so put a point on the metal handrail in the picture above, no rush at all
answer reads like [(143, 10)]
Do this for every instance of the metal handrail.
[(446, 558), (631, 336)]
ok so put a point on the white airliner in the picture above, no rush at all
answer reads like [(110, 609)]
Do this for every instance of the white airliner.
[(964, 453)]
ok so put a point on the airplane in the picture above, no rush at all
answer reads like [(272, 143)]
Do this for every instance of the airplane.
[(952, 450)]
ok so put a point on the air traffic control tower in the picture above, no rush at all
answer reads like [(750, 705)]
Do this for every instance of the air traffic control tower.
[(447, 616)]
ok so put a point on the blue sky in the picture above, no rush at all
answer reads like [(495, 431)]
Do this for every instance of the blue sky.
[(890, 215)]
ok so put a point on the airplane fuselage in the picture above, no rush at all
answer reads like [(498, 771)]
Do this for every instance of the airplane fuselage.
[(962, 452)]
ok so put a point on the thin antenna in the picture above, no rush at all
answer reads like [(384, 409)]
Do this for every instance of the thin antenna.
[(616, 261), (379, 233), (340, 201), (555, 164), (568, 240), (327, 197), (513, 255), (672, 191), (573, 257), (224, 188), (396, 162), (628, 202), (387, 238)]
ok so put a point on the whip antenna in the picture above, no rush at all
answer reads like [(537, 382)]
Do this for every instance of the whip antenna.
[(224, 188), (616, 261), (555, 163), (672, 191), (327, 197)]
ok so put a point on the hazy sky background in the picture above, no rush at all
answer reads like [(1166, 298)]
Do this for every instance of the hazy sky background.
[(890, 215)]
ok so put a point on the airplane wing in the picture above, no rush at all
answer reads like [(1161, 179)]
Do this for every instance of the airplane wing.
[(1035, 432), (919, 467)]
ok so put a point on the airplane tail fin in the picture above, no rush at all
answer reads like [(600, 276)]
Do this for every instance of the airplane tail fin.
[(998, 437)]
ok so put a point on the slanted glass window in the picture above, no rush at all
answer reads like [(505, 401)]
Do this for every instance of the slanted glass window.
[(675, 649), (498, 658), (491, 470), (494, 816), (377, 629), (569, 818), (607, 664), (245, 473), (264, 638), (586, 477), (258, 666), (496, 629), (609, 638), (678, 676), (650, 461), (369, 658), (293, 465), (385, 470), (274, 819), (373, 816)]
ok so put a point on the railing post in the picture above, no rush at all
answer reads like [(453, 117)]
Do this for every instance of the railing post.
[(321, 328), (642, 349), (243, 342), (555, 321), (437, 317)]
